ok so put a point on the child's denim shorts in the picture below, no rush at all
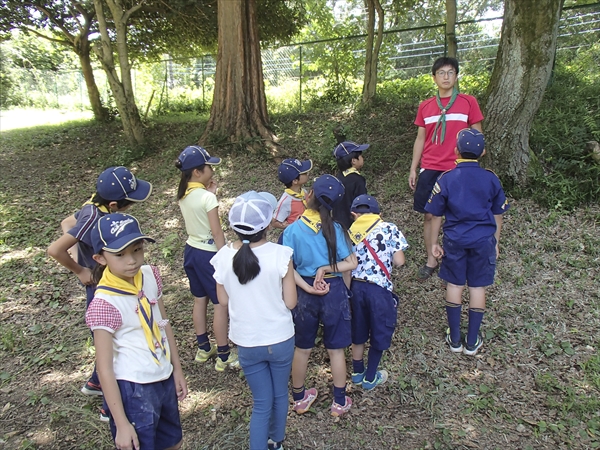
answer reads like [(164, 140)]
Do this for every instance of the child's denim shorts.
[(374, 314), (200, 271), (153, 411), (474, 264), (331, 309)]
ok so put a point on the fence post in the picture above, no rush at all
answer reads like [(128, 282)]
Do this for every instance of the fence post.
[(202, 71), (300, 96), (56, 90)]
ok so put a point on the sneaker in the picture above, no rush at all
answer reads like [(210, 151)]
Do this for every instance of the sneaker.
[(357, 378), (104, 417), (301, 406), (471, 350), (232, 362), (380, 377), (91, 388), (272, 445), (338, 410), (202, 355), (455, 347)]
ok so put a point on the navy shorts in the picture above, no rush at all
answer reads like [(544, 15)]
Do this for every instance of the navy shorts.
[(374, 314), (425, 183), (200, 272), (474, 264), (153, 411), (331, 309)]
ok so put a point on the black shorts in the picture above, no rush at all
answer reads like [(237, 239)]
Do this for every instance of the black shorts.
[(425, 183)]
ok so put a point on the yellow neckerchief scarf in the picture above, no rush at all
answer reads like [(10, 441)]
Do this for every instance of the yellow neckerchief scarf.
[(102, 208), (361, 227), (111, 284), (192, 185), (298, 195), (349, 171), (459, 160), (312, 219)]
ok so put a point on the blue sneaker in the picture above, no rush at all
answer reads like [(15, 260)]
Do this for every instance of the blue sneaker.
[(357, 378), (380, 377)]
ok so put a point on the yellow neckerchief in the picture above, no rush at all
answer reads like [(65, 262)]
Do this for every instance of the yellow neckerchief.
[(361, 227), (111, 284), (192, 185), (349, 171), (459, 160), (298, 195), (312, 219), (102, 208)]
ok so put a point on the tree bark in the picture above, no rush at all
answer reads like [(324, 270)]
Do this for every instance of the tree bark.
[(373, 47), (521, 73), (452, 44), (120, 82), (239, 108), (83, 51)]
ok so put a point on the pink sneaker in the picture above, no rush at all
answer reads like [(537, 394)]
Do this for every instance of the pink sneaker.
[(302, 406), (338, 410)]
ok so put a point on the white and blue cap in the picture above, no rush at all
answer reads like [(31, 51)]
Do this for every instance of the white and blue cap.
[(252, 212), (347, 147), (290, 169), (470, 140), (196, 156), (365, 204), (114, 232), (118, 183), (328, 190)]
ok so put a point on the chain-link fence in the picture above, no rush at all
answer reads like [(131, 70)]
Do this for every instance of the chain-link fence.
[(297, 71)]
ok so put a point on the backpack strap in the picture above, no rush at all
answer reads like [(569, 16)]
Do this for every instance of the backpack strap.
[(377, 260)]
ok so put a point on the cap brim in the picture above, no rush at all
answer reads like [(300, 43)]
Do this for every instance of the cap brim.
[(141, 193), (120, 244), (270, 198), (306, 166), (213, 161), (362, 148)]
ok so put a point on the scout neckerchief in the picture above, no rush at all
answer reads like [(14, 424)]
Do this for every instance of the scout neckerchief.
[(349, 171), (102, 208), (441, 123), (312, 219), (362, 226), (191, 186), (458, 161), (113, 285), (297, 195)]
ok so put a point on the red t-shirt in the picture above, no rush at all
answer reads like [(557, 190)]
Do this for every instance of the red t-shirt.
[(464, 113)]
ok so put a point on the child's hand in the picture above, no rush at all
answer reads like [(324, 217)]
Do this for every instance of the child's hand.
[(126, 438), (180, 385), (320, 287), (321, 271), (437, 250), (212, 187), (85, 276), (412, 180)]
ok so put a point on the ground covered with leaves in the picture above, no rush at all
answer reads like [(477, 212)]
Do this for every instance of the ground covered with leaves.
[(534, 384)]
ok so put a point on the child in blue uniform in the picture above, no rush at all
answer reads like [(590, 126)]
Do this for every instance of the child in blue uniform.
[(379, 246), (472, 200), (322, 253), (349, 159), (116, 190), (136, 353)]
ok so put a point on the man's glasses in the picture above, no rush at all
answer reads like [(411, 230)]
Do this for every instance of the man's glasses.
[(443, 73)]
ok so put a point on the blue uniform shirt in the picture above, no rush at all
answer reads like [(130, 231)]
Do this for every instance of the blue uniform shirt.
[(310, 248), (469, 197)]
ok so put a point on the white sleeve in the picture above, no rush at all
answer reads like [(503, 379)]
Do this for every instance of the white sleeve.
[(283, 259)]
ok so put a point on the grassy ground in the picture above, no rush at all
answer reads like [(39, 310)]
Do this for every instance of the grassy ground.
[(535, 384)]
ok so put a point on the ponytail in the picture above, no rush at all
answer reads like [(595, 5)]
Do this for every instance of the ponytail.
[(327, 227), (186, 176), (245, 262), (97, 272)]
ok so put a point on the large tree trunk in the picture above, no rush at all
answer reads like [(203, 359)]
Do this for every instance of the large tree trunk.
[(239, 108), (99, 110), (120, 83), (452, 45), (521, 73), (372, 54)]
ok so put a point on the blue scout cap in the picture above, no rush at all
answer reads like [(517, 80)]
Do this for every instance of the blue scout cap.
[(470, 140), (328, 190), (365, 204), (118, 183), (347, 147), (252, 212), (114, 232), (290, 169), (196, 156)]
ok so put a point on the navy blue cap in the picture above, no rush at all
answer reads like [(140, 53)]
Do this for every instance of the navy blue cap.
[(290, 169), (347, 147), (114, 232), (365, 204), (470, 140), (328, 190), (118, 183), (196, 156)]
